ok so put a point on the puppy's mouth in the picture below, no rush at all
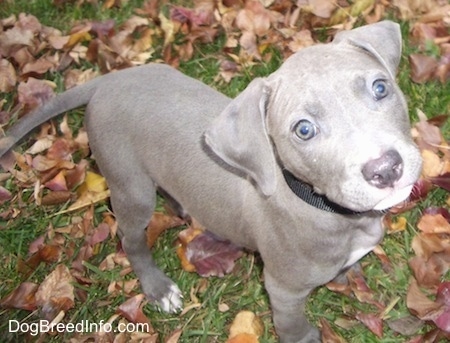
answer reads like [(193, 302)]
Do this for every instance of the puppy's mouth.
[(395, 198)]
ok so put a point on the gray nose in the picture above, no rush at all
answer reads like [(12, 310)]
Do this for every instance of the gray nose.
[(385, 170)]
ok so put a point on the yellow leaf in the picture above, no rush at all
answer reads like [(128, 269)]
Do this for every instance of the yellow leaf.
[(95, 182), (78, 37), (168, 26), (360, 6), (399, 225), (339, 17), (432, 165), (87, 199)]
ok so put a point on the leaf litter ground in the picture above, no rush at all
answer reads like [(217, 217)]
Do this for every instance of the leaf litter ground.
[(54, 189)]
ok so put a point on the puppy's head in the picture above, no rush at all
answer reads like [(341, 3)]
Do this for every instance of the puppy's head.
[(334, 117)]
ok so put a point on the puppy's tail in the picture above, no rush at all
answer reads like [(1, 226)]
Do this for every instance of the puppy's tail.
[(73, 98)]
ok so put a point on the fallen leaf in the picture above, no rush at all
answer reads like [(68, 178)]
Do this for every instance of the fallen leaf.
[(23, 297), (420, 305), (94, 182), (432, 165), (58, 183), (5, 195), (434, 223), (328, 335), (428, 272), (159, 223), (211, 255), (184, 238), (101, 233), (56, 198), (34, 93), (422, 67), (174, 336), (8, 77), (56, 292), (132, 310), (246, 322), (442, 181), (361, 290), (372, 322), (398, 225), (243, 338), (406, 326)]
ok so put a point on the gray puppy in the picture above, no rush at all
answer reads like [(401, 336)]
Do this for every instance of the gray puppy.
[(299, 166)]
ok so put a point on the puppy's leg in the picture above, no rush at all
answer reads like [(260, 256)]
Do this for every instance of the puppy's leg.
[(288, 308), (133, 207)]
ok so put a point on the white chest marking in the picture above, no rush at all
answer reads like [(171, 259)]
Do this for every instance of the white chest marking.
[(357, 254)]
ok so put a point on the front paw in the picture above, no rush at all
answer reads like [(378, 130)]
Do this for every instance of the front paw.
[(163, 292), (171, 301)]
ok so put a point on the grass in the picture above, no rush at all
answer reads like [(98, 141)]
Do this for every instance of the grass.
[(243, 289)]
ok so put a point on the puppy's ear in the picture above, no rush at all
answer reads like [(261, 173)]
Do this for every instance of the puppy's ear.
[(383, 40), (239, 136)]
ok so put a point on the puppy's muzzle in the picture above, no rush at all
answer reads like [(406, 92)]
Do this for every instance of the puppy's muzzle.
[(384, 171)]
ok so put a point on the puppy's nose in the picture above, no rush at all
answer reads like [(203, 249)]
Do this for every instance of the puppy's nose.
[(385, 170)]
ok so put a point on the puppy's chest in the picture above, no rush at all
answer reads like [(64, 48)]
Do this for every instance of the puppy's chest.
[(357, 254), (364, 242)]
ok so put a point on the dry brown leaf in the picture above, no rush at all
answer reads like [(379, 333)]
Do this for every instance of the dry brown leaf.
[(328, 335), (5, 195), (8, 76), (56, 292), (422, 67), (246, 322), (435, 223), (159, 223), (419, 304), (23, 297), (243, 338), (132, 310), (372, 322), (174, 336), (254, 18), (56, 198), (39, 66), (320, 8), (34, 92), (184, 238)]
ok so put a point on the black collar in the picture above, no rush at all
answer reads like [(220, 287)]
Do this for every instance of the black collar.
[(305, 192)]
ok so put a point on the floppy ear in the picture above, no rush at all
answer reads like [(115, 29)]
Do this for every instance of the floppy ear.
[(239, 136), (383, 40)]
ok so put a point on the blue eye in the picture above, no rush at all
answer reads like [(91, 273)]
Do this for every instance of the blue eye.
[(305, 130), (379, 89)]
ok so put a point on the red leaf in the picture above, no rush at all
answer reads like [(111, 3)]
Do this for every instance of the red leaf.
[(212, 256), (100, 234), (442, 181), (372, 321), (420, 190)]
